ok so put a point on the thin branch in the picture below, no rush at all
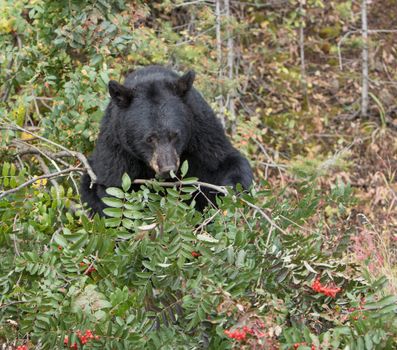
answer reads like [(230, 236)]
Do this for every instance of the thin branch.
[(26, 148), (46, 171), (206, 221), (14, 238), (14, 303), (269, 158), (48, 176), (265, 216), (78, 155), (221, 189), (344, 37), (277, 166), (192, 3)]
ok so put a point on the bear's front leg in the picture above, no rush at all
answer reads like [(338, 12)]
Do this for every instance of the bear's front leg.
[(92, 195), (235, 169)]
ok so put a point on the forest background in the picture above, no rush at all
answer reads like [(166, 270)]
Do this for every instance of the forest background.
[(306, 90)]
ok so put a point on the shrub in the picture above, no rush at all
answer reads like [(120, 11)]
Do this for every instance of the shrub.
[(158, 274)]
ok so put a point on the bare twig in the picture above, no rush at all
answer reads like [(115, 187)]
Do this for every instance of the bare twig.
[(220, 189), (264, 215), (270, 159), (340, 42), (14, 239), (48, 176), (192, 3), (26, 148), (206, 221), (14, 303), (46, 171), (67, 152)]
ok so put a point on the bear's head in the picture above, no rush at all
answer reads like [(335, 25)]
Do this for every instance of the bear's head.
[(154, 120)]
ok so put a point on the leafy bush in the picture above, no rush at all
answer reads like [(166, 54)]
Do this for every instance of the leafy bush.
[(158, 274)]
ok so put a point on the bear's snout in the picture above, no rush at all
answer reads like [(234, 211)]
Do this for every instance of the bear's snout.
[(164, 160)]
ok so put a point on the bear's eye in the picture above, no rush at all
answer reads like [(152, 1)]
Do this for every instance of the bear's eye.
[(173, 135), (150, 139)]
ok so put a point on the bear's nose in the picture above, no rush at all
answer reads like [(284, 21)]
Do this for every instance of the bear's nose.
[(165, 171)]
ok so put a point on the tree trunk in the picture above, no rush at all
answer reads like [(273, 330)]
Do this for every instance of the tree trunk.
[(219, 57), (230, 66), (364, 92), (302, 54)]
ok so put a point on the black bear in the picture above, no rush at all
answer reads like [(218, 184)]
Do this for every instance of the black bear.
[(153, 123)]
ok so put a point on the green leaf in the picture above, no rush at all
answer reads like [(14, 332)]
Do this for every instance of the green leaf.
[(60, 240), (126, 182), (113, 222), (116, 192), (112, 202), (240, 258), (184, 168), (113, 212), (128, 224)]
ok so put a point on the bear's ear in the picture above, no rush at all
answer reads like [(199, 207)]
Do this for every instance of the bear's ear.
[(185, 83), (121, 95)]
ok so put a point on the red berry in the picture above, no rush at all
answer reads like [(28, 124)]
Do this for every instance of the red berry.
[(22, 347), (90, 269), (195, 254), (89, 334)]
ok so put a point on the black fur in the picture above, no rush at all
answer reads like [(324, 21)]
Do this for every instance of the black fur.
[(157, 111)]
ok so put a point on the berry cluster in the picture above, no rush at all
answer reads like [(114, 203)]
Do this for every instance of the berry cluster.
[(22, 347), (328, 291), (84, 338), (297, 345), (241, 333)]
